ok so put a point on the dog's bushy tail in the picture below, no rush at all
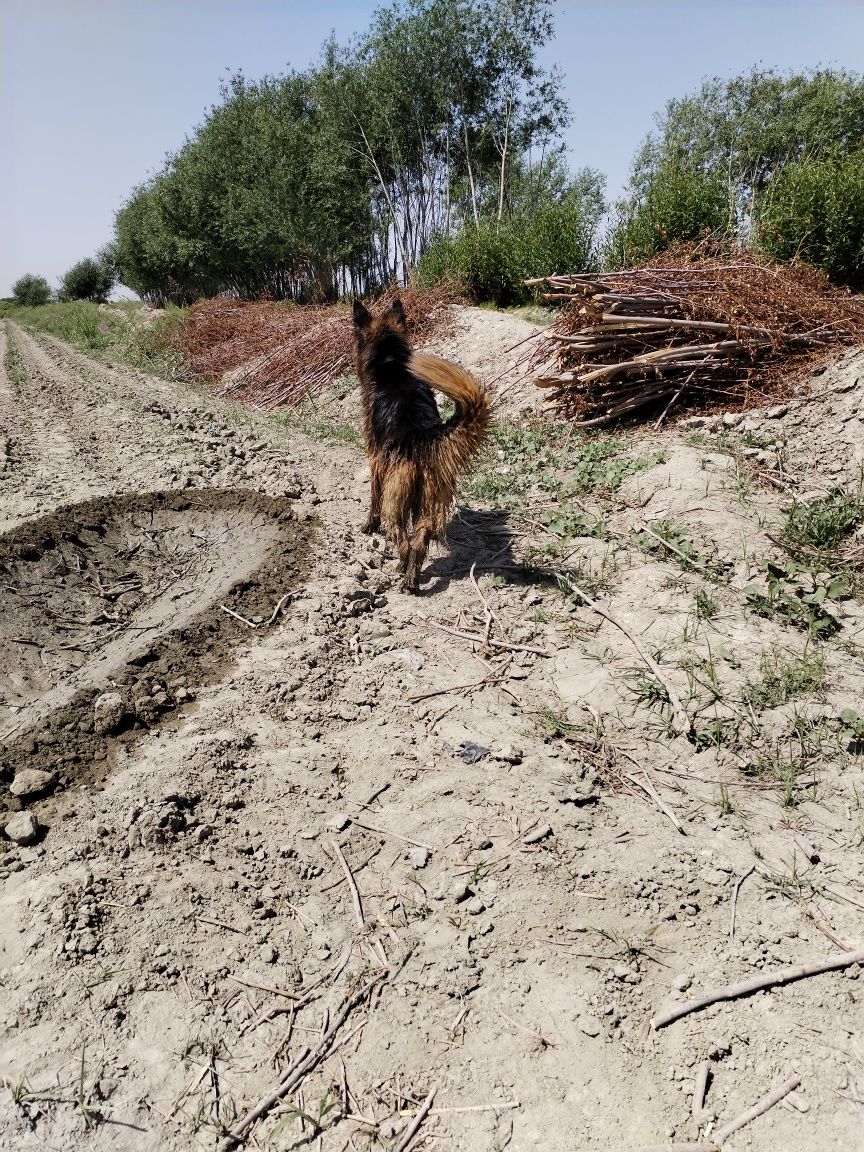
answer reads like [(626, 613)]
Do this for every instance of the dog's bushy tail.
[(464, 431)]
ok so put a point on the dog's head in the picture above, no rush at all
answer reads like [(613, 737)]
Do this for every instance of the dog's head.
[(380, 341)]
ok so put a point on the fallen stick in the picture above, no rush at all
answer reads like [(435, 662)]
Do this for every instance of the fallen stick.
[(486, 681), (677, 551), (278, 607), (395, 835), (477, 639), (649, 789), (352, 884), (699, 1090), (738, 884), (503, 1107), (237, 616), (681, 720), (266, 988), (767, 1101), (298, 1070), (414, 1127), (220, 924), (765, 980)]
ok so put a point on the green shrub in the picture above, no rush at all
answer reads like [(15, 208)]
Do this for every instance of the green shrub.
[(814, 211), (31, 291), (89, 279), (678, 203), (491, 262)]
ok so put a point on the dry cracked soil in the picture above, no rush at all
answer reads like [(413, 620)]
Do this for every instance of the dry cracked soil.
[(287, 851)]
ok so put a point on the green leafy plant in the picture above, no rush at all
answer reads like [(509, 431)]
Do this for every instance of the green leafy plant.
[(796, 595), (822, 525)]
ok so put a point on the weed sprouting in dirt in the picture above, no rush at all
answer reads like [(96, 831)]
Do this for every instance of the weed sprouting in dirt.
[(821, 526), (705, 605), (796, 595), (785, 677), (546, 464)]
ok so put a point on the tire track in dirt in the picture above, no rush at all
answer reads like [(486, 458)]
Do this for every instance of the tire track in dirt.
[(85, 440), (43, 464)]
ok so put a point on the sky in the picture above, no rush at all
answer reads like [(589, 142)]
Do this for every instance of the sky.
[(94, 93)]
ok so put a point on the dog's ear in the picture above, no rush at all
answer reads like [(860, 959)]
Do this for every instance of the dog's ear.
[(397, 311), (362, 315)]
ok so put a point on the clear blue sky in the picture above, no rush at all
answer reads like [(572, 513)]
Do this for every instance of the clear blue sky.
[(93, 93)]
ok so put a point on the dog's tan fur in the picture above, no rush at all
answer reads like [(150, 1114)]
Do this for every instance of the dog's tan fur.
[(415, 457)]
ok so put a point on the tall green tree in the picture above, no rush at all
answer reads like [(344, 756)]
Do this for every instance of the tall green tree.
[(714, 154), (31, 290)]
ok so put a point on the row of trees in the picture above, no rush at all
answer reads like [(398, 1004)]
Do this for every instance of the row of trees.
[(775, 160), (431, 146), (437, 123), (90, 279)]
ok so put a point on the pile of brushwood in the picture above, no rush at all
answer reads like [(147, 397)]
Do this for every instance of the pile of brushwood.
[(271, 354), (689, 330)]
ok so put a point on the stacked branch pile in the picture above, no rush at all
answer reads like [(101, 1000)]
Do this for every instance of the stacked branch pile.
[(271, 354), (692, 331)]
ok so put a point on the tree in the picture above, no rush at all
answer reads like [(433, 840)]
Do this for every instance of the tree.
[(31, 290), (89, 279), (814, 211), (714, 154)]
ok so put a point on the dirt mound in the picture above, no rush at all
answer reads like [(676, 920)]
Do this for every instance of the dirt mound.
[(112, 613)]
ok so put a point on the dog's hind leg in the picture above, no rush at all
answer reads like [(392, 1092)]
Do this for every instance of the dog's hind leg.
[(423, 534), (373, 520)]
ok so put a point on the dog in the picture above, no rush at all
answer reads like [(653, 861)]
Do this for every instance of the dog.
[(415, 457)]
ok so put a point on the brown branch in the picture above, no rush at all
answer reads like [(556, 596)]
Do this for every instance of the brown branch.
[(755, 984)]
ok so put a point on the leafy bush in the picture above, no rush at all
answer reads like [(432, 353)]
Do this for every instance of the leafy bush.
[(678, 203), (814, 211), (89, 279), (31, 291), (491, 262)]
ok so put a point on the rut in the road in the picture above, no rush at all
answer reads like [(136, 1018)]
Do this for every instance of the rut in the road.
[(130, 595)]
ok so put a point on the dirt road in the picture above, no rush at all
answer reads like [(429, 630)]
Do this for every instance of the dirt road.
[(270, 781)]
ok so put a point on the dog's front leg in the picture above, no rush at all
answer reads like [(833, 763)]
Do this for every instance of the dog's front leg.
[(373, 521)]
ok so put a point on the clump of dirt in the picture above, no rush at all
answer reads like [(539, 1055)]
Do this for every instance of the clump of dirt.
[(143, 597)]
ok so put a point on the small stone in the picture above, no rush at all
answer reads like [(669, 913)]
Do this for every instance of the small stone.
[(87, 943), (340, 821), (537, 835), (459, 892), (590, 1025), (510, 754), (691, 422), (799, 1102), (682, 983), (31, 782), (732, 419), (418, 857), (475, 906), (109, 710), (268, 954), (23, 829), (307, 833), (621, 971), (777, 412)]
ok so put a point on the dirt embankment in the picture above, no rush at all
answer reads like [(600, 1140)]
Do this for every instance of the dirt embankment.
[(304, 785)]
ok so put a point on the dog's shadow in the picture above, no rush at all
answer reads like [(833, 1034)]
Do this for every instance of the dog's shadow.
[(484, 538)]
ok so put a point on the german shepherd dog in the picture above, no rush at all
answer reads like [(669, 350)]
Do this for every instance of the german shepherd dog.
[(415, 456)]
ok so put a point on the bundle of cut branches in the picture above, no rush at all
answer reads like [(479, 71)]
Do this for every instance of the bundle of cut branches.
[(687, 330), (270, 354)]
